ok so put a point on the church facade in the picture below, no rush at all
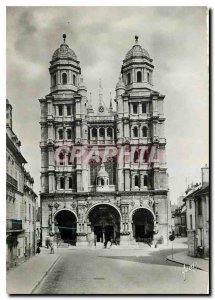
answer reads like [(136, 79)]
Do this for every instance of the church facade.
[(103, 171)]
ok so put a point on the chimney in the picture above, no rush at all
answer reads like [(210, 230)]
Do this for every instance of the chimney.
[(205, 175)]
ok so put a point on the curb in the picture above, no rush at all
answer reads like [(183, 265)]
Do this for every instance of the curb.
[(44, 275), (181, 263)]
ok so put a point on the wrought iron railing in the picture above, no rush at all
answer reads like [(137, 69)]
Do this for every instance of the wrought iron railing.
[(13, 224)]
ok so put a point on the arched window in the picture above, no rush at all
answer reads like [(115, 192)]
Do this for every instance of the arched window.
[(62, 183), (102, 132), (146, 155), (60, 134), (139, 76), (143, 108), (94, 132), (145, 180), (54, 80), (136, 180), (60, 110), (64, 78), (102, 181), (136, 156), (135, 131), (148, 77), (69, 134), (128, 78), (110, 167), (74, 79), (109, 132), (145, 131), (134, 108), (68, 108)]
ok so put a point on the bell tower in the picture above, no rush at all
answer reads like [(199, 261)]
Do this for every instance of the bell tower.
[(137, 68), (140, 133), (64, 70)]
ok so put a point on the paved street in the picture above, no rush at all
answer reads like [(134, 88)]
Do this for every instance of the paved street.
[(118, 271)]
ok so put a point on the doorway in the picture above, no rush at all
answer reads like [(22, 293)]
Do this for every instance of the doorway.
[(66, 224), (105, 223), (143, 225)]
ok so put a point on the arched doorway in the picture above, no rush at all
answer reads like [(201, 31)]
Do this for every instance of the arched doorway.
[(105, 223), (66, 224), (143, 225)]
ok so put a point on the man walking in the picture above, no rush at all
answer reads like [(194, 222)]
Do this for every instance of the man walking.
[(52, 248)]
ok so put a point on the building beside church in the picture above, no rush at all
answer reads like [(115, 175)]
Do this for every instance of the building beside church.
[(103, 172), (20, 200), (197, 201)]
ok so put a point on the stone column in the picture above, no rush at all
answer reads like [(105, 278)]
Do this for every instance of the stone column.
[(140, 108), (58, 182), (58, 77), (127, 180)]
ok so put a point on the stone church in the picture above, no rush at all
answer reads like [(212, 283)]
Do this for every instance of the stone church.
[(103, 171)]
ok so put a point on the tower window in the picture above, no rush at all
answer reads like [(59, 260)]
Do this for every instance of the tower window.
[(54, 80), (136, 180), (68, 108), (143, 108), (148, 77), (60, 110), (139, 76), (60, 134), (69, 134), (64, 78), (69, 158), (135, 131), (134, 108), (62, 183), (61, 158), (74, 79), (70, 182), (145, 180), (136, 156), (145, 131), (101, 132), (128, 78)]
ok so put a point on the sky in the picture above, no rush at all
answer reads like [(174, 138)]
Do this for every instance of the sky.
[(176, 39)]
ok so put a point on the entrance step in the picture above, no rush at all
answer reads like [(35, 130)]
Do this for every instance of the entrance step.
[(63, 245)]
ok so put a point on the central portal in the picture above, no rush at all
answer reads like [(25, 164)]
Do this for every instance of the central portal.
[(105, 223)]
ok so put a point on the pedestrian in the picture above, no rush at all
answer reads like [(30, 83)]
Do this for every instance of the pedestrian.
[(38, 250), (95, 239), (47, 242), (52, 248)]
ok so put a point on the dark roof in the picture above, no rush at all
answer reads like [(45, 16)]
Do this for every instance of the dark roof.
[(203, 190)]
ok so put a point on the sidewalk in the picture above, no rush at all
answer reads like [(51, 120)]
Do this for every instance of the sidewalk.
[(183, 258), (24, 278)]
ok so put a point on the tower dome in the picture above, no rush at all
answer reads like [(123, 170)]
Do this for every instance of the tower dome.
[(64, 52), (137, 51), (64, 70), (137, 68)]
